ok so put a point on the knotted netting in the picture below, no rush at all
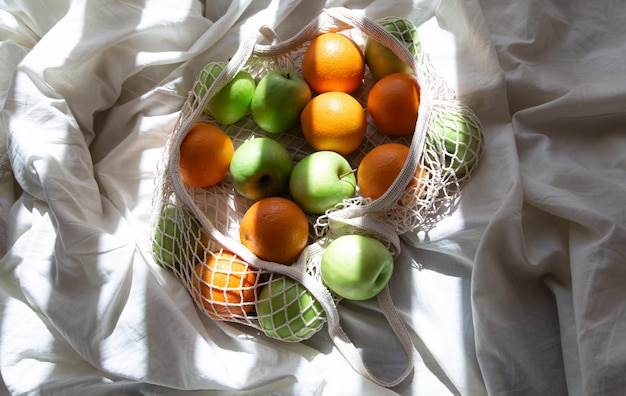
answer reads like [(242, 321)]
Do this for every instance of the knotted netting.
[(196, 230)]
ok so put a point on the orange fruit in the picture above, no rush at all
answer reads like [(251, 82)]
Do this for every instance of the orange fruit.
[(333, 62), (415, 189), (334, 121), (275, 229), (380, 167), (393, 104), (225, 285), (205, 155)]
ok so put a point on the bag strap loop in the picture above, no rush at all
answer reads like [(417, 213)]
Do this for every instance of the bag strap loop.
[(329, 20)]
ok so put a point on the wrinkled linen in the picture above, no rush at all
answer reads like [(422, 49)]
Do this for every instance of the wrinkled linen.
[(518, 292)]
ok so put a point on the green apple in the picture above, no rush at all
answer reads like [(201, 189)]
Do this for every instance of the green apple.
[(458, 139), (279, 99), (356, 267), (288, 311), (321, 180), (380, 59), (207, 77), (232, 102), (260, 168), (177, 237)]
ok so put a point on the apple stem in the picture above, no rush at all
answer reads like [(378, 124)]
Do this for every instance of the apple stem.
[(347, 173), (288, 76)]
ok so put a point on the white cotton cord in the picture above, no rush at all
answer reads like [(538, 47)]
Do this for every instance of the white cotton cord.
[(381, 229), (326, 22), (235, 64), (398, 326), (217, 210), (378, 32), (349, 351), (372, 29)]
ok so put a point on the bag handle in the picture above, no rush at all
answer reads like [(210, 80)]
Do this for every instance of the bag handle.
[(330, 20), (351, 354), (379, 33)]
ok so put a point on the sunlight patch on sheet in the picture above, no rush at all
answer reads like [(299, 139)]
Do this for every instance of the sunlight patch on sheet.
[(441, 322), (441, 47), (25, 344)]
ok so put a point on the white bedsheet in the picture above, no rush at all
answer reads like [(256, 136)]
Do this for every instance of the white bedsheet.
[(521, 291)]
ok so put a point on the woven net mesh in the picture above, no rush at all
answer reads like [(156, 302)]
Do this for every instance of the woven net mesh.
[(290, 302)]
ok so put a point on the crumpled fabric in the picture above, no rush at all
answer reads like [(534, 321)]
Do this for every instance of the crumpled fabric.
[(519, 291)]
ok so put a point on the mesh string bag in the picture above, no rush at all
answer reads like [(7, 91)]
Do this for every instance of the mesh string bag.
[(196, 230)]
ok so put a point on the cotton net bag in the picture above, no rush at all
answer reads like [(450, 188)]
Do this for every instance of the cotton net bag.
[(196, 230)]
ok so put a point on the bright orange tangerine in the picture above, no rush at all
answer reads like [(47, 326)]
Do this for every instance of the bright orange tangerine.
[(334, 121), (393, 104), (225, 284), (275, 229), (333, 62), (380, 167), (205, 155)]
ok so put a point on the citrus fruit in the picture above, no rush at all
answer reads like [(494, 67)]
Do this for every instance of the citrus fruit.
[(380, 167), (177, 237), (416, 188), (205, 155), (334, 121), (288, 311), (382, 60), (275, 229), (333, 62), (225, 285), (393, 104)]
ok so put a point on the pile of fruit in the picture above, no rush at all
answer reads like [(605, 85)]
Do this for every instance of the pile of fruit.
[(286, 190)]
